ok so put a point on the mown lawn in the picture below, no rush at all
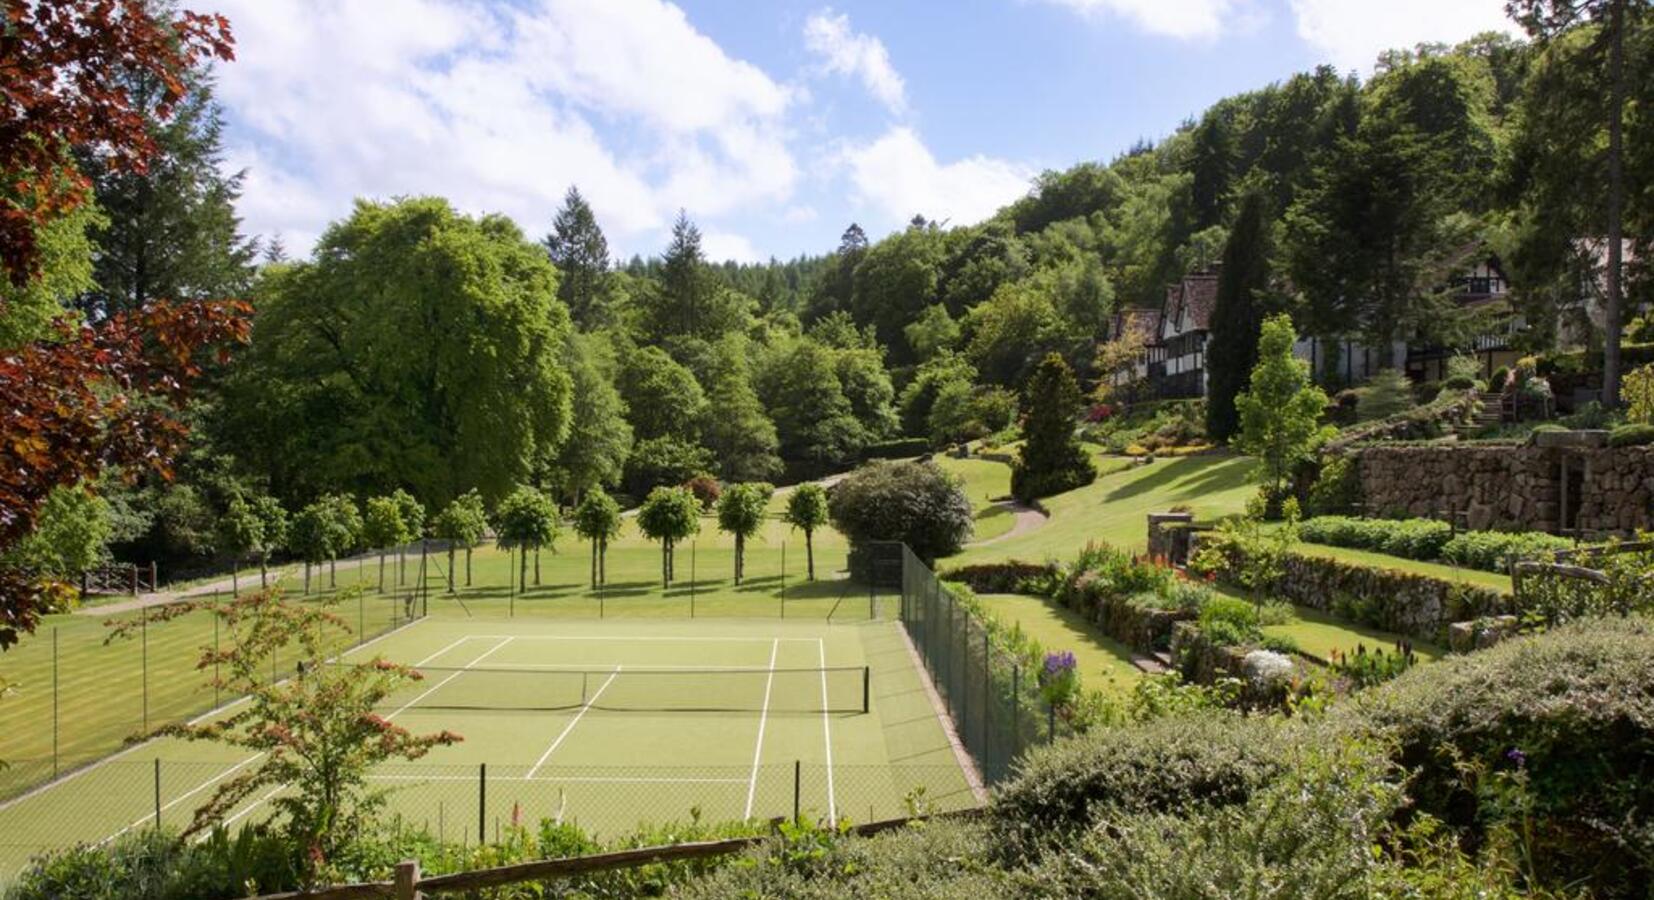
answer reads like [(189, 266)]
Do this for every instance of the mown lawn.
[(1435, 570), (1104, 662), (984, 482)]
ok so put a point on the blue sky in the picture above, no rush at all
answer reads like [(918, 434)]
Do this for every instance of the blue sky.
[(775, 124)]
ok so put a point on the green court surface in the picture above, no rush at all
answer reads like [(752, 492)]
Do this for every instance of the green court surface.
[(609, 724)]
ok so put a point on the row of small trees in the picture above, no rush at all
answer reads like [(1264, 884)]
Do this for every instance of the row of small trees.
[(673, 514)]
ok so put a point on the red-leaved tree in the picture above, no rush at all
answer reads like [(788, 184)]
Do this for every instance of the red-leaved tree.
[(58, 90)]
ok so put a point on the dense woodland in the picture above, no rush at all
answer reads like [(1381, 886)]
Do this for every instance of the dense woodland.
[(429, 350)]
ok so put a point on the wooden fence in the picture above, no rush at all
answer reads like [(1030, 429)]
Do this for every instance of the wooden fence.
[(409, 884), (120, 578)]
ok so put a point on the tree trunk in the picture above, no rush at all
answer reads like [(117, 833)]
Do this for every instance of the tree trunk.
[(1616, 199), (264, 571), (522, 571), (594, 564), (381, 571), (401, 566), (467, 566), (307, 578), (809, 556), (740, 546), (333, 572), (665, 569), (536, 565), (603, 561), (450, 567)]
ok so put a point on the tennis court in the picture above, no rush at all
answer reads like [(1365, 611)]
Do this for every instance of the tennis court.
[(608, 724)]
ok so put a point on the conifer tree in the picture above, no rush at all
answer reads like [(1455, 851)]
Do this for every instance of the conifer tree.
[(581, 253), (1051, 460), (1237, 316)]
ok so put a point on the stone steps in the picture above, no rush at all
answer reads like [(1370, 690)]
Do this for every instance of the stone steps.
[(1157, 663)]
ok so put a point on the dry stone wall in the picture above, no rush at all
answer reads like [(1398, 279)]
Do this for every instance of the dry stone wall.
[(1606, 490)]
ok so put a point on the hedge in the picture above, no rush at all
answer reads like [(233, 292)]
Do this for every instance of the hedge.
[(1494, 551), (901, 448), (1407, 538)]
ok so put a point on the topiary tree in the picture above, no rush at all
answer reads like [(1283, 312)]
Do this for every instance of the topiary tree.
[(597, 519), (807, 511), (915, 503), (382, 526), (741, 513), (310, 537), (413, 516), (1051, 460), (344, 522), (669, 515), (1281, 410), (273, 530), (240, 532), (462, 523), (526, 520)]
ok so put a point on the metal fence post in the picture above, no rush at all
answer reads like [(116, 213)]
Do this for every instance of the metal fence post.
[(987, 686), (798, 779), (783, 579), (482, 804), (361, 616), (1016, 708), (54, 703), (511, 578), (157, 793), (866, 688), (143, 618)]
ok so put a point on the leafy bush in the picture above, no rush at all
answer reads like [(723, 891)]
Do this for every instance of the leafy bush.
[(1500, 376), (1010, 577), (706, 489), (1337, 488), (1494, 551), (1408, 538), (897, 449), (915, 503), (1459, 383), (1230, 622), (1591, 415), (1631, 436), (1548, 737), (1386, 394), (1364, 669)]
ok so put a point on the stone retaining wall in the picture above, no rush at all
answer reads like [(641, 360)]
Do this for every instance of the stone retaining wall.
[(1513, 488)]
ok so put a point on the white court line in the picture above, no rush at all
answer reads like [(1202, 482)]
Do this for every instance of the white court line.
[(827, 736), (763, 717), (558, 779), (620, 638), (573, 722), (146, 819), (400, 710)]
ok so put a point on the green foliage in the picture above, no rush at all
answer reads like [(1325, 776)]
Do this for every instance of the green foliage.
[(915, 503), (70, 536), (597, 518), (663, 399), (1016, 327), (1494, 551), (1237, 316), (741, 513), (406, 306), (933, 332), (1623, 588), (1244, 550), (1365, 669), (1386, 394), (1631, 436), (241, 529), (326, 529), (28, 313), (1228, 622), (464, 521), (526, 519), (800, 386), (600, 437), (738, 432), (894, 282), (1409, 538), (1051, 460), (1337, 487), (664, 461), (382, 523), (146, 864), (581, 253), (897, 449), (1279, 412), (669, 515), (1638, 393), (806, 507)]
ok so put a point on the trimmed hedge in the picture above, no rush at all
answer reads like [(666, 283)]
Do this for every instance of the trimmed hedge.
[(902, 448), (1407, 538), (1494, 551), (1012, 577)]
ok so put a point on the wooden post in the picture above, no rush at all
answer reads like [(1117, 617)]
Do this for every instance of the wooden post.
[(407, 879)]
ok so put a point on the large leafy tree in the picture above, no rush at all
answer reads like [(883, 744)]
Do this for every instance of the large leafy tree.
[(1579, 103), (738, 431), (1237, 316), (807, 510), (581, 254), (600, 437), (669, 515), (917, 504), (597, 519), (800, 387), (1051, 459), (894, 282), (1280, 410), (663, 399), (419, 348), (741, 513)]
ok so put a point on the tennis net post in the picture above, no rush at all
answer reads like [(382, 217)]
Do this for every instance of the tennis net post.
[(866, 687)]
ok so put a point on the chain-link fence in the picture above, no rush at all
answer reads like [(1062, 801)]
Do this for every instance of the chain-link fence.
[(994, 700), (83, 688), (467, 804)]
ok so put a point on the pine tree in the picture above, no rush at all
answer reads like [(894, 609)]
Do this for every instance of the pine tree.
[(683, 275), (1237, 317), (170, 232), (1051, 460), (581, 254)]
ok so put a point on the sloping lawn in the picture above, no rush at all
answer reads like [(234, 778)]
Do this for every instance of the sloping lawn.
[(1105, 663), (984, 481), (1114, 508), (1436, 570)]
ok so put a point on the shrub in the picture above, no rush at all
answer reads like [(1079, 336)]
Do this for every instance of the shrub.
[(1205, 759), (1229, 622), (1408, 538), (706, 489), (1591, 415), (1337, 488), (1631, 436), (1459, 383), (1386, 394), (915, 503), (1549, 737), (1493, 551), (897, 449)]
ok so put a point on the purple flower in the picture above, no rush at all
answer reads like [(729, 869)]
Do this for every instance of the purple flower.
[(1059, 664), (1516, 756)]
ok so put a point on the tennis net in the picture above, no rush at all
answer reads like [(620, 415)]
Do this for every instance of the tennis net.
[(842, 689)]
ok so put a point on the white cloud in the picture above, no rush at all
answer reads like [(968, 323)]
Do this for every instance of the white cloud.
[(846, 52), (899, 176), (499, 110), (1351, 33), (723, 245), (1186, 19)]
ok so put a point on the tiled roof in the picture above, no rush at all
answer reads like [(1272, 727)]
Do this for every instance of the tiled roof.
[(1200, 295)]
